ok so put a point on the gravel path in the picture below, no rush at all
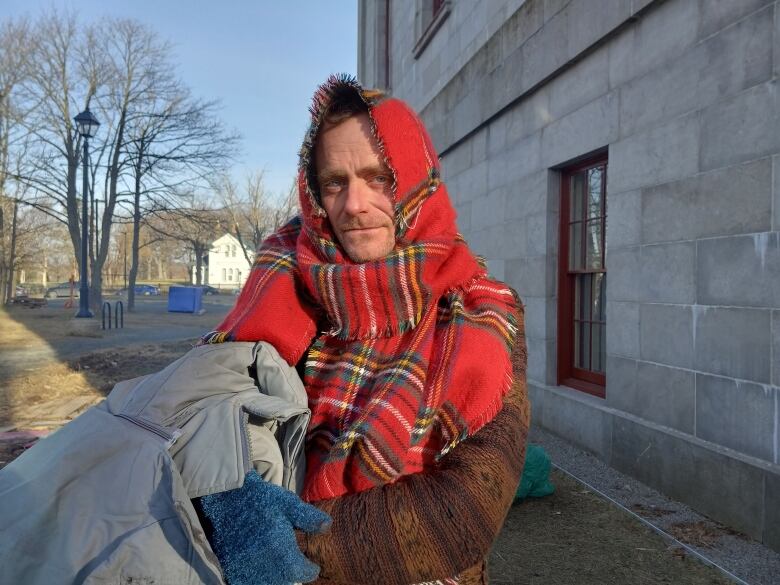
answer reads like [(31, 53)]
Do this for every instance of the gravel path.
[(743, 557)]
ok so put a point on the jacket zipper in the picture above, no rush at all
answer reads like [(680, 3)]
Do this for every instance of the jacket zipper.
[(246, 446), (170, 437)]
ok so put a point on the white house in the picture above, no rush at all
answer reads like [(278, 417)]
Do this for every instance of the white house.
[(227, 266)]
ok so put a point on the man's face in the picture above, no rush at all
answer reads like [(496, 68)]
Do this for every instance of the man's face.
[(355, 189)]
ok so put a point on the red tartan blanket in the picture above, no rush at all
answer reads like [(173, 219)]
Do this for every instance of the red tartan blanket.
[(407, 355)]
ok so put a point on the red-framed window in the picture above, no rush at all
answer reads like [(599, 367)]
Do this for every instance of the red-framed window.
[(429, 17), (582, 325)]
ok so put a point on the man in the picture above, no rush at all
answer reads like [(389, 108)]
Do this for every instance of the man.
[(405, 346)]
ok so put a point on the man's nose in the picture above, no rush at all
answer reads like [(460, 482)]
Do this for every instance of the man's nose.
[(357, 198)]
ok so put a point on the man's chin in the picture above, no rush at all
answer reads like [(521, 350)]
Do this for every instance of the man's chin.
[(370, 253), (367, 251), (361, 256)]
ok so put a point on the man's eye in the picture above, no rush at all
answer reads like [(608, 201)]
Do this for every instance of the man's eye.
[(381, 179), (333, 186)]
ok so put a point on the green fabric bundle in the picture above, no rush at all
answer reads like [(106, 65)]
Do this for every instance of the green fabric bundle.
[(535, 481)]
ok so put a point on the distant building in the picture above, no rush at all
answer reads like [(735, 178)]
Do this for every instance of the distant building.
[(617, 163), (226, 266)]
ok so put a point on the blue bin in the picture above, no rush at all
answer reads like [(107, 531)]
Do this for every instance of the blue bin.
[(184, 299)]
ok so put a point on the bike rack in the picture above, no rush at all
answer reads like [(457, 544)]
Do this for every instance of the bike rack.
[(119, 315), (106, 305)]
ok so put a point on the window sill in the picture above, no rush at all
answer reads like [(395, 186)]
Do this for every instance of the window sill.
[(583, 386), (566, 391), (431, 29)]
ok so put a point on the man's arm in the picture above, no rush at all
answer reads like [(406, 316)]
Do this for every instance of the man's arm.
[(430, 525)]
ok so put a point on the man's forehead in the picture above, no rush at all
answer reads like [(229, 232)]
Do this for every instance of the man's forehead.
[(351, 137), (355, 127)]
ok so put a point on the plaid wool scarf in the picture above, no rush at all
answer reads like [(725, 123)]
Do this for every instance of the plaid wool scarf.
[(407, 355)]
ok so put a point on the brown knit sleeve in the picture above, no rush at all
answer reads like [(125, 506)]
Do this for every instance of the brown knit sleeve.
[(436, 524)]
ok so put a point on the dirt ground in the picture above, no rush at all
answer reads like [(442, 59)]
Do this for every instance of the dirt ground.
[(47, 377), (573, 536), (31, 401), (91, 375)]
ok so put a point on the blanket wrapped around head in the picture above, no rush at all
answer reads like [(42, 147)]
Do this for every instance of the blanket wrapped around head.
[(407, 355)]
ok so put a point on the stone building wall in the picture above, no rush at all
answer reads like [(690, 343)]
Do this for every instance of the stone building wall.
[(683, 97)]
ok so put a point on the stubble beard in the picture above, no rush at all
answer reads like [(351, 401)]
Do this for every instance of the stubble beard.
[(369, 249)]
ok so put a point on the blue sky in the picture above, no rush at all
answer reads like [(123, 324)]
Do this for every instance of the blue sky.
[(263, 59)]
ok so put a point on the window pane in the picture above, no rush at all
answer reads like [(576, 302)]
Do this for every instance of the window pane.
[(576, 343), (581, 345), (577, 196), (603, 349), (583, 298), (593, 250), (603, 295), (595, 358), (595, 178), (598, 296), (575, 246), (577, 293)]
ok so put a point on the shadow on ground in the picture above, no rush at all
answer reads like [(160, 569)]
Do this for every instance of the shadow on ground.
[(48, 376)]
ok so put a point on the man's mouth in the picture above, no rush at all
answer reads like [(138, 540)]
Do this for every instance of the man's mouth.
[(362, 229)]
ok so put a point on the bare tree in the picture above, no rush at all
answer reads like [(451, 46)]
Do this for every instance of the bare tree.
[(254, 213), (248, 211), (33, 242), (196, 227), (156, 140), (12, 253), (136, 62), (174, 148), (66, 70), (285, 207), (14, 70)]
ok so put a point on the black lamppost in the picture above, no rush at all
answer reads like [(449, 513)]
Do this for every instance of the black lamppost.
[(87, 126)]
